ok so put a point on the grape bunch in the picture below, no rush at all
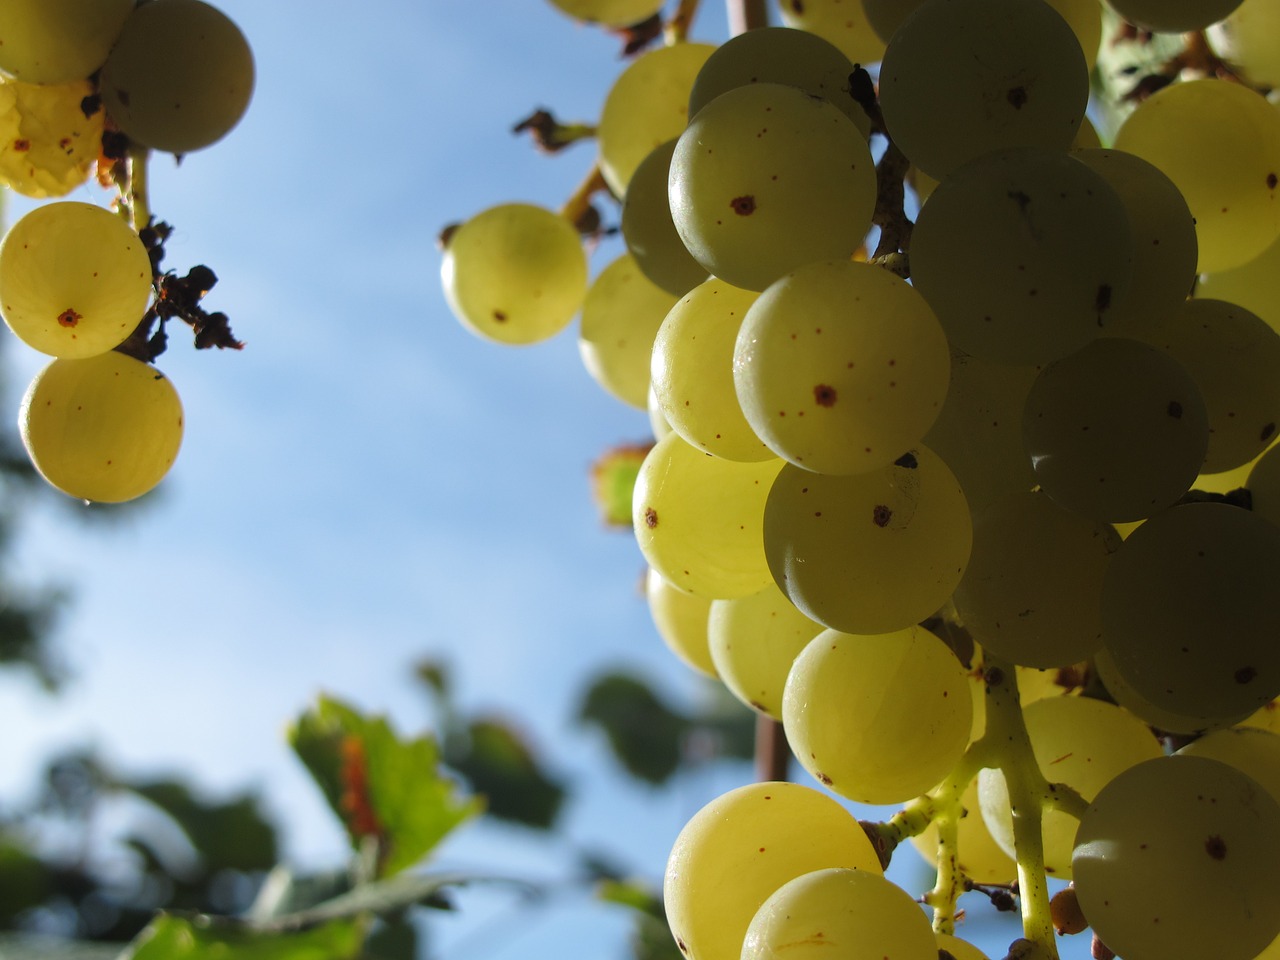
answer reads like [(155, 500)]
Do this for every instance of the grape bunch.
[(965, 469), (87, 89)]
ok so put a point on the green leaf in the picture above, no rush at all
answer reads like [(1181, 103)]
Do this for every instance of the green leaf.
[(233, 835), (645, 733), (650, 935), (383, 788), (499, 764), (206, 938)]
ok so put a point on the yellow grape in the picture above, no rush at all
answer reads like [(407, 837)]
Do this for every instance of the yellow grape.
[(959, 949), (1254, 285), (58, 41), (610, 13), (649, 231), (981, 858), (1250, 750), (1173, 16), (1249, 39), (47, 144), (681, 621), (842, 22)]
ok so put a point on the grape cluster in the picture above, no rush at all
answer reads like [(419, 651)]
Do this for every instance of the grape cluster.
[(96, 84), (978, 505)]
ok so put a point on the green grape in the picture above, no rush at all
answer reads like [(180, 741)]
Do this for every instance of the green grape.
[(1254, 285), (649, 231), (1251, 751), (692, 372), (878, 719), (515, 273), (646, 106), (1249, 39), (979, 429), (1188, 611), (74, 279), (741, 847), (1264, 718), (842, 22), (620, 318), (58, 41), (754, 640), (1166, 721), (1175, 859), (961, 78), (610, 13), (1081, 742), (1234, 359), (1264, 485), (840, 366), (657, 420), (681, 620), (998, 253), (47, 143), (1116, 431), (959, 949), (697, 519), (796, 58), (1164, 239), (873, 552), (767, 178), (179, 77), (1031, 590), (104, 428), (851, 913), (1173, 16), (1220, 145), (978, 855)]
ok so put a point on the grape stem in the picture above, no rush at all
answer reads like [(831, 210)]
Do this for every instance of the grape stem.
[(746, 15), (677, 28), (577, 209), (137, 200)]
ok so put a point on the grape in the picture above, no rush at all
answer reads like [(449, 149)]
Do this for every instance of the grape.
[(961, 78), (106, 428), (649, 231), (58, 41), (978, 855), (852, 913), (1188, 610), (1116, 431), (1251, 751), (1173, 16), (741, 847), (842, 22), (873, 552), (697, 519), (1264, 485), (692, 372), (1175, 859), (754, 640), (179, 77), (515, 273), (47, 144), (1166, 721), (646, 106), (610, 13), (1248, 39), (620, 318), (998, 253), (74, 279), (959, 949), (1031, 590), (767, 178), (681, 621), (840, 367), (1264, 718), (1081, 742), (1254, 285), (878, 719), (1220, 145)]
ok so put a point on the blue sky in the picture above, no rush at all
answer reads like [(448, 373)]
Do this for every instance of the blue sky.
[(367, 483)]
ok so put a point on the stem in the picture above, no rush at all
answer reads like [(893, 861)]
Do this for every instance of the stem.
[(677, 28), (138, 201), (746, 15), (773, 753), (579, 204)]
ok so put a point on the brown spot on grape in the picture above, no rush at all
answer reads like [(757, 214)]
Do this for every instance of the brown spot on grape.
[(500, 316), (1175, 409), (1272, 180), (1216, 847), (650, 517), (1102, 301), (1017, 97), (907, 460), (743, 206), (69, 318), (21, 146), (824, 395), (881, 515), (1246, 675), (797, 6), (826, 780), (680, 944), (1267, 432)]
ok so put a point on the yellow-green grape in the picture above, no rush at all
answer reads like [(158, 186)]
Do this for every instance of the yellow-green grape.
[(657, 420), (179, 77), (842, 22), (610, 13), (621, 315), (1173, 16), (1164, 240), (698, 519), (1220, 145), (1249, 39), (872, 552), (649, 231), (878, 719), (795, 57), (104, 428), (998, 253), (1188, 611), (1251, 751), (58, 41), (692, 372), (1116, 431), (1264, 718), (74, 279), (1254, 285), (959, 949), (1037, 684), (1165, 721), (1078, 741), (961, 78), (515, 273), (840, 366), (1264, 485), (47, 143), (646, 106), (850, 913), (1234, 359), (741, 847), (1175, 859), (754, 640), (767, 178), (681, 620), (978, 855), (979, 430), (1030, 592)]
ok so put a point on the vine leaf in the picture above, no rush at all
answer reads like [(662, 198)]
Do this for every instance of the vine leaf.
[(171, 937)]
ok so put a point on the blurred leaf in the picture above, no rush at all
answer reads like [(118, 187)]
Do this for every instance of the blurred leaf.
[(24, 946), (25, 881), (497, 762), (26, 620), (394, 938), (644, 732), (650, 936), (232, 836), (204, 938), (435, 675), (286, 891), (381, 787)]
